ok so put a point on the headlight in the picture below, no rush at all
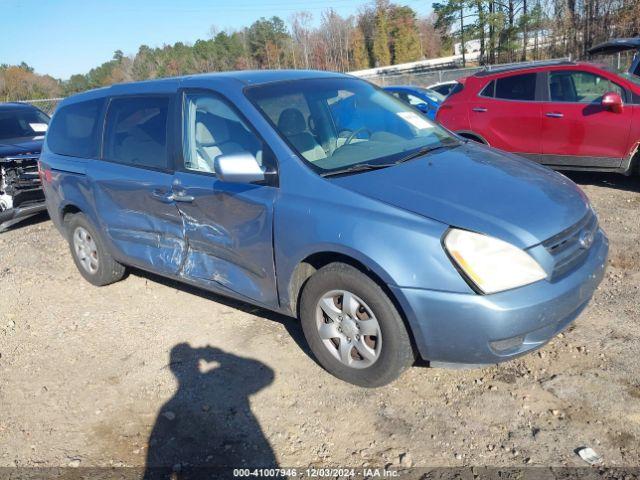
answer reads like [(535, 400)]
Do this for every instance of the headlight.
[(491, 264)]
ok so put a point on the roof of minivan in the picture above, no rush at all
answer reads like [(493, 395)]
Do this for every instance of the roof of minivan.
[(243, 77)]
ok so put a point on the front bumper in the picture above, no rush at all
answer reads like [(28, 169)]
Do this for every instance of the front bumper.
[(482, 329)]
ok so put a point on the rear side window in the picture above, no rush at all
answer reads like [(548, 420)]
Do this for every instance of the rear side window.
[(136, 131), (517, 87), (489, 90), (75, 129)]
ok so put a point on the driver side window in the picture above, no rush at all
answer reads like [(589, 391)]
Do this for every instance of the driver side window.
[(213, 129), (580, 87)]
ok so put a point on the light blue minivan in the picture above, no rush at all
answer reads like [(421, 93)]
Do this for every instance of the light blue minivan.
[(322, 197)]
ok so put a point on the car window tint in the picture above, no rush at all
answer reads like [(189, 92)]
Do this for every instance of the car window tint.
[(580, 87), (517, 87), (443, 89), (489, 90), (213, 129), (75, 129), (136, 131)]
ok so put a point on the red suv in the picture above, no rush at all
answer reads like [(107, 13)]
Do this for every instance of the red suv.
[(566, 115)]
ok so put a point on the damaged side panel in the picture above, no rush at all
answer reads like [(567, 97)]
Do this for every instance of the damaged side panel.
[(144, 228), (229, 230)]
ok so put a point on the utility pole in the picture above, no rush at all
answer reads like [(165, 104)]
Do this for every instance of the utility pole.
[(464, 58)]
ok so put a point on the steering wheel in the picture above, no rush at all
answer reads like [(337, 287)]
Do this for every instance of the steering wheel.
[(354, 133)]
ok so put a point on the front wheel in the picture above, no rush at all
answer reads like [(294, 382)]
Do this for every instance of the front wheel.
[(353, 328)]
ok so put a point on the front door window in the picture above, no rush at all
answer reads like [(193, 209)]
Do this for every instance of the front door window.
[(580, 87), (214, 129)]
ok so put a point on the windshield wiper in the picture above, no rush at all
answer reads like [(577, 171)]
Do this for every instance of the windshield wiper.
[(424, 151), (359, 167), (363, 167)]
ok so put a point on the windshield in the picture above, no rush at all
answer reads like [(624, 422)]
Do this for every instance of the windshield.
[(22, 122), (340, 123)]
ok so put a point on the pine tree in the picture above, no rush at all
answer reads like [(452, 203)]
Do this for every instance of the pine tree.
[(381, 52), (359, 55), (405, 37)]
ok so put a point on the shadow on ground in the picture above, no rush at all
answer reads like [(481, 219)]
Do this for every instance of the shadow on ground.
[(611, 180), (293, 327), (208, 422)]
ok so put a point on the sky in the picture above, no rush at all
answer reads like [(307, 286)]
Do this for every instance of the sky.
[(63, 37)]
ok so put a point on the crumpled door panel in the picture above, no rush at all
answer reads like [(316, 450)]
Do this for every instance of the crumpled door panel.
[(229, 232), (144, 230)]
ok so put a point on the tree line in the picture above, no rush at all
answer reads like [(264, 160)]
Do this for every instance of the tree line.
[(520, 30), (381, 33)]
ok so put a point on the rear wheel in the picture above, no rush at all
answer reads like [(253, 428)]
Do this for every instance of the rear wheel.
[(353, 328), (92, 259)]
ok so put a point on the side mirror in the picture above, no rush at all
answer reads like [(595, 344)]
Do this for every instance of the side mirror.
[(238, 168), (612, 102), (423, 107)]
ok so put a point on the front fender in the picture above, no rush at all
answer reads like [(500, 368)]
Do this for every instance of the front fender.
[(401, 248)]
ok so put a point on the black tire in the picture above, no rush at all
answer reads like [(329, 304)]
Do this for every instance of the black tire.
[(396, 352), (108, 270)]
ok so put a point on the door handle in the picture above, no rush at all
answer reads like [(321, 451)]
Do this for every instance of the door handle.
[(182, 198), (180, 195), (479, 109), (162, 196), (554, 115)]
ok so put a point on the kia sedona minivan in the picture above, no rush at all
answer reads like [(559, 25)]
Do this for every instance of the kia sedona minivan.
[(320, 196)]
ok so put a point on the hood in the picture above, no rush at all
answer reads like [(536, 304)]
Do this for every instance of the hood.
[(20, 146), (480, 189), (615, 46)]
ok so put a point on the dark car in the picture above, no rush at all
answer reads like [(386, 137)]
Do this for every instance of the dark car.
[(22, 130), (620, 45), (568, 115), (388, 236)]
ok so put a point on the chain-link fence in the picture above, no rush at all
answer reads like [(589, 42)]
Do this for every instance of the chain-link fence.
[(429, 77), (47, 105), (422, 79)]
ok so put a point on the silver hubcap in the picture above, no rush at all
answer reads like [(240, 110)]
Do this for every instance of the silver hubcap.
[(86, 250), (348, 329)]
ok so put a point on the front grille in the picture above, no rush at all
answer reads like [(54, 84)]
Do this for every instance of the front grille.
[(21, 172), (567, 249)]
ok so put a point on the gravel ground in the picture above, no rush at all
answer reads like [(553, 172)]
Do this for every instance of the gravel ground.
[(150, 368)]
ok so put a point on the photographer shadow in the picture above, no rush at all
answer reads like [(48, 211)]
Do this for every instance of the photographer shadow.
[(208, 422)]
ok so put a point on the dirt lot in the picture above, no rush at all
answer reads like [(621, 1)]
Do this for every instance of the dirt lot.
[(105, 376)]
